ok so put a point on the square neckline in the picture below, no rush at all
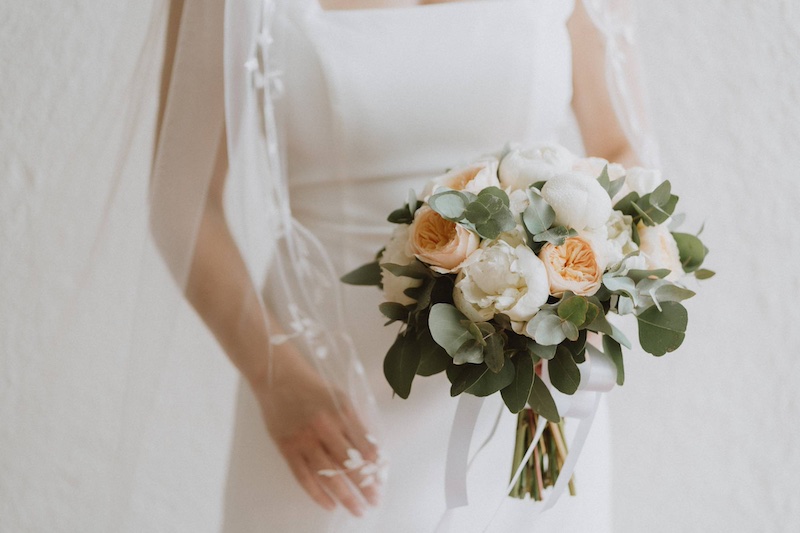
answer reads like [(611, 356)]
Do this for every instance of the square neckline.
[(420, 7)]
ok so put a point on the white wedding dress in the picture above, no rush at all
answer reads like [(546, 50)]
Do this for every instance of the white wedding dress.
[(378, 101)]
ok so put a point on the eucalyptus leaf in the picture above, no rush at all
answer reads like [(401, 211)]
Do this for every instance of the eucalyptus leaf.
[(614, 351), (464, 376), (515, 395), (574, 309), (603, 179), (446, 328), (662, 331), (449, 204), (545, 329), (600, 324), (394, 311), (703, 273), (491, 382), (692, 251), (369, 274), (556, 236), (615, 186), (626, 204), (618, 336), (433, 358), (570, 330), (477, 213), (469, 352), (493, 353), (541, 401), (660, 196), (637, 275), (400, 364), (541, 351), (538, 216), (563, 371), (494, 193), (499, 223), (415, 270)]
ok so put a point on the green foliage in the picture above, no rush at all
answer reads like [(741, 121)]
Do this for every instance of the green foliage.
[(611, 187), (574, 309), (655, 208), (662, 331), (545, 327), (450, 204), (487, 213), (447, 327), (415, 270), (394, 311), (555, 236), (702, 273), (542, 402), (491, 382), (614, 351), (433, 358), (405, 214), (563, 371), (465, 376), (401, 362), (539, 216), (638, 275), (515, 395), (692, 251), (369, 274)]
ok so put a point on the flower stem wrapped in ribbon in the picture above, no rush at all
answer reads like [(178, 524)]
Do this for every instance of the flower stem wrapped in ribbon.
[(504, 268)]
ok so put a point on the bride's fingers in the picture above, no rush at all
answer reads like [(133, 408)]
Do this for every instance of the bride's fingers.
[(361, 471), (357, 434), (334, 480), (309, 480)]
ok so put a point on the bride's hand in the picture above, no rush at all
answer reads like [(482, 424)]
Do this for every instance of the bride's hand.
[(319, 433)]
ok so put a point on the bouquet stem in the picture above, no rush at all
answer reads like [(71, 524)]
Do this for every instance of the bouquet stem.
[(542, 469)]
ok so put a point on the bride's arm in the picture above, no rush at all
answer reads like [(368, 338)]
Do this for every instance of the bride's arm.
[(600, 128), (312, 431)]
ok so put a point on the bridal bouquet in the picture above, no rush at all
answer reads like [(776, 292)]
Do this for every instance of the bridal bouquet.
[(511, 261)]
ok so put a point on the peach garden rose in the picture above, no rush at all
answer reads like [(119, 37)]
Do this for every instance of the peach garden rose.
[(442, 244), (573, 267)]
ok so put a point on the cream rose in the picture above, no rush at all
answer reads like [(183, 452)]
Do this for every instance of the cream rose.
[(438, 242), (660, 250), (573, 266), (579, 201), (396, 253), (612, 241), (522, 167), (471, 178), (501, 278)]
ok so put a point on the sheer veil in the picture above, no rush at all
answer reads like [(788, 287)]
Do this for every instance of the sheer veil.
[(221, 75)]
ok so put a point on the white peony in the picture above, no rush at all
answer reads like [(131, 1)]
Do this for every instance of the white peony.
[(522, 167), (641, 181), (579, 201), (471, 178), (593, 166), (501, 278), (612, 241), (659, 249), (397, 253)]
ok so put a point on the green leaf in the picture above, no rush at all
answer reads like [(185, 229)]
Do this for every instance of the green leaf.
[(703, 273), (446, 328), (415, 270), (450, 204), (400, 364), (433, 358), (499, 222), (541, 351), (469, 352), (576, 347), (614, 351), (600, 324), (541, 401), (515, 395), (538, 216), (545, 329), (592, 311), (477, 213), (493, 353), (494, 192), (570, 330), (556, 236), (564, 373), (660, 196), (491, 382), (394, 311), (604, 179), (626, 204), (662, 331), (615, 186), (369, 274), (638, 275), (618, 336), (691, 250), (464, 376), (574, 309)]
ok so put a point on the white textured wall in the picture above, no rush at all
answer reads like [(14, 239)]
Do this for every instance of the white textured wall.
[(704, 439)]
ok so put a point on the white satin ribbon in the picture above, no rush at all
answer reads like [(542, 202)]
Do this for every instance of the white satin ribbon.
[(598, 375)]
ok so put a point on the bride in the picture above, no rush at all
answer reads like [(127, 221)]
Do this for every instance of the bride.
[(355, 102)]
